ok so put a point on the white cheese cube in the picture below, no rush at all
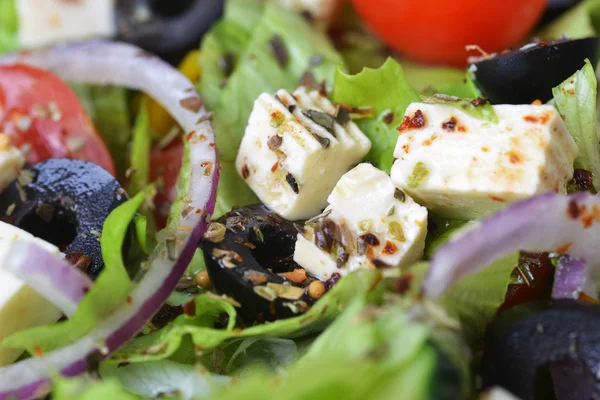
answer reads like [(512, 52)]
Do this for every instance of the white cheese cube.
[(20, 306), (11, 161), (292, 162), (322, 10), (369, 223), (463, 167), (44, 22)]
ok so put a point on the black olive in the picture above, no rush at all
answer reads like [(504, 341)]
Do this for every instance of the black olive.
[(554, 353), (244, 251), (64, 202), (168, 28), (520, 77)]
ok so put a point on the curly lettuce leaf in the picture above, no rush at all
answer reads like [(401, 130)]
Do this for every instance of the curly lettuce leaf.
[(575, 100), (109, 291), (258, 71), (155, 378), (109, 109), (580, 21), (475, 299), (431, 79), (386, 90), (140, 152), (368, 352), (200, 327), (225, 43), (9, 26), (85, 388)]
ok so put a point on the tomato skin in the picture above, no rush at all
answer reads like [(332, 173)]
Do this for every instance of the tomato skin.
[(437, 31), (41, 113), (164, 167)]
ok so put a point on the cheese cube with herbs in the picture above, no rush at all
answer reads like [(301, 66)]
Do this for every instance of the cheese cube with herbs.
[(43, 22), (461, 166), (369, 223), (295, 148)]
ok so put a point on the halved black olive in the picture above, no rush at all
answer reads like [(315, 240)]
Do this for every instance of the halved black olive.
[(520, 77), (244, 251), (64, 202), (166, 27), (550, 354)]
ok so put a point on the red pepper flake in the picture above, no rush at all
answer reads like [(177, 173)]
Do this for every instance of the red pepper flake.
[(406, 148), (250, 245), (189, 308), (514, 157), (449, 125), (37, 351), (564, 248), (480, 101), (193, 103), (462, 128), (129, 300), (275, 166), (496, 198), (531, 118), (402, 284), (390, 248), (211, 145), (272, 309), (417, 121), (245, 171), (573, 209), (585, 298), (536, 102), (298, 275), (190, 135), (202, 137), (257, 278), (388, 118)]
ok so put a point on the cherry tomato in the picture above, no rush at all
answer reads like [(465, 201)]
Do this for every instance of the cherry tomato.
[(164, 167), (437, 31), (45, 118)]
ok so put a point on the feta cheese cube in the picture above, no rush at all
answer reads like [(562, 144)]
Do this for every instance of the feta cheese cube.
[(369, 223), (44, 22), (463, 167), (11, 161), (20, 306), (293, 151)]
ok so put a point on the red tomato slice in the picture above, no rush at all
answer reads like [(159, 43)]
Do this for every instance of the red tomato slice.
[(437, 31), (45, 118), (164, 166)]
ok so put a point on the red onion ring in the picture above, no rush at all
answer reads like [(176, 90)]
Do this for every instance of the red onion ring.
[(548, 222), (571, 279), (48, 274), (108, 63)]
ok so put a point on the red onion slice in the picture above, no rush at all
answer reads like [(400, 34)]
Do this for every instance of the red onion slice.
[(126, 65), (548, 222), (48, 274), (571, 279)]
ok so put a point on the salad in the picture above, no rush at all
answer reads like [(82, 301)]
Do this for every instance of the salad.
[(299, 199)]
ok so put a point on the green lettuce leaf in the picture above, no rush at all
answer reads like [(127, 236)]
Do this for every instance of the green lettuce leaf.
[(368, 352), (475, 299), (109, 109), (233, 191), (109, 291), (85, 388), (575, 99), (200, 327), (140, 152), (431, 79), (580, 21), (9, 26), (387, 91), (258, 71), (155, 378), (228, 38)]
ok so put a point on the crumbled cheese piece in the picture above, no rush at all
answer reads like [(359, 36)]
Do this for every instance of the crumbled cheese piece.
[(11, 161), (44, 22), (293, 151), (463, 167), (369, 223)]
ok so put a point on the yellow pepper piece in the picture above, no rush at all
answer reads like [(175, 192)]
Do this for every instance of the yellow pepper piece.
[(161, 122)]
